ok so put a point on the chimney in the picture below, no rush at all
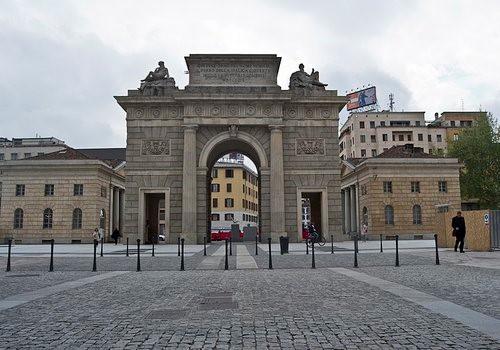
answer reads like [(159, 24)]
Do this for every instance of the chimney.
[(436, 116)]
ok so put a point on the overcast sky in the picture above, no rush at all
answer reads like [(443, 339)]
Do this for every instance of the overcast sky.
[(63, 61)]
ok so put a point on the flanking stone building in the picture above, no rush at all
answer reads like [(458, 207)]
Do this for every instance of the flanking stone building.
[(63, 195), (231, 104), (398, 192)]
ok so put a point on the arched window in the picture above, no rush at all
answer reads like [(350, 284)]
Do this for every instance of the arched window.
[(417, 215), (389, 215), (77, 219), (365, 216), (47, 218), (18, 218)]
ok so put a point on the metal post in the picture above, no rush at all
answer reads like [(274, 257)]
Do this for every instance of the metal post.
[(153, 248), (127, 246), (102, 245), (381, 247), (51, 266), (270, 256), (355, 251), (178, 246), (226, 262), (8, 255), (182, 254), (437, 251), (205, 245), (331, 236), (313, 259), (138, 254), (256, 246), (94, 266), (397, 250), (307, 247), (231, 246), (281, 245)]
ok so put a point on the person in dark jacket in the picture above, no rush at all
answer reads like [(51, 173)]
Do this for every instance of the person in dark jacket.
[(115, 235), (458, 225)]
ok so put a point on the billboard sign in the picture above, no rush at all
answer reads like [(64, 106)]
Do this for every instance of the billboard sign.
[(362, 98)]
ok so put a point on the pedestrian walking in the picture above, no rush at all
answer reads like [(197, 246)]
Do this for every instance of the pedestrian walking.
[(458, 225), (95, 235), (115, 235), (364, 231)]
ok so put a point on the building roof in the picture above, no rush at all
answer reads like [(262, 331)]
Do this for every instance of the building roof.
[(405, 151), (113, 156), (101, 154)]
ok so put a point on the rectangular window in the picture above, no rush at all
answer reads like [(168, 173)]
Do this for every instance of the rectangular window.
[(20, 190), (361, 125), (420, 137), (417, 123), (452, 123), (244, 175), (387, 186), (49, 190), (382, 123), (362, 138), (442, 186), (439, 138), (215, 188), (229, 188), (455, 137), (429, 138), (384, 137), (372, 124), (415, 187), (374, 152), (363, 153), (215, 202), (393, 137), (408, 137), (401, 137), (78, 189), (104, 192), (27, 155), (215, 173), (373, 138), (2, 156), (13, 156), (229, 217), (215, 217), (40, 154), (229, 173), (229, 202)]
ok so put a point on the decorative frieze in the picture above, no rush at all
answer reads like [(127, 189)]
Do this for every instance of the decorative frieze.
[(155, 112), (155, 147), (312, 146), (233, 110), (308, 112)]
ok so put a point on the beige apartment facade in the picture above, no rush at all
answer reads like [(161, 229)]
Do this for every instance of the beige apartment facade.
[(63, 195), (26, 147), (231, 104), (398, 192)]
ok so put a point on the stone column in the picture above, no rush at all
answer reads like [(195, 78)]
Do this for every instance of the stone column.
[(347, 209), (189, 184), (352, 202), (277, 183), (342, 199), (116, 209), (358, 226), (122, 210)]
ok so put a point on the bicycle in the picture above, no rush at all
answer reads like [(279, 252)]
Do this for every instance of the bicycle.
[(316, 238)]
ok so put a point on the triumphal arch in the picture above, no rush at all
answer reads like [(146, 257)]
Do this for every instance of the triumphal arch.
[(231, 104)]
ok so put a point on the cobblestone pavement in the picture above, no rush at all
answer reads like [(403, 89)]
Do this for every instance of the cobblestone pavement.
[(291, 306)]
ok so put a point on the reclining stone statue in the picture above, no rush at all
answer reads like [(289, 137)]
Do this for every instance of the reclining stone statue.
[(157, 81), (301, 79)]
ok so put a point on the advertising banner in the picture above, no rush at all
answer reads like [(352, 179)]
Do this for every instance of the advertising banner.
[(362, 98)]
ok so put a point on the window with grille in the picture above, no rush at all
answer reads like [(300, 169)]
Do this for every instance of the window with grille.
[(229, 217), (362, 138), (415, 187), (215, 202), (229, 173), (215, 188), (442, 186), (49, 190), (417, 215), (20, 190), (77, 219), (47, 218), (229, 188), (78, 189), (18, 218), (389, 215), (387, 186), (229, 202)]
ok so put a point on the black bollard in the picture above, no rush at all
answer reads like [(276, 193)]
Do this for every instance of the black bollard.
[(313, 259), (270, 255), (381, 247), (127, 247), (437, 251), (51, 266), (397, 250), (153, 248), (307, 247), (331, 236), (281, 245), (178, 246), (355, 251), (138, 254), (205, 246), (8, 255), (256, 246), (226, 261), (231, 246), (182, 254), (94, 266), (102, 245)]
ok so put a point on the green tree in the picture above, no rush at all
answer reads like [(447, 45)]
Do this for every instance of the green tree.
[(478, 148)]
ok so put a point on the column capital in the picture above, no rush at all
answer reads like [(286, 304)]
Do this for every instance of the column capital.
[(276, 127)]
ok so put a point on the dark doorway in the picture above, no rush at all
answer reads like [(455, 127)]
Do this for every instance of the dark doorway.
[(313, 200), (155, 217)]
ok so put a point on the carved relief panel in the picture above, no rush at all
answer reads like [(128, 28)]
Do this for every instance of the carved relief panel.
[(310, 146), (155, 147)]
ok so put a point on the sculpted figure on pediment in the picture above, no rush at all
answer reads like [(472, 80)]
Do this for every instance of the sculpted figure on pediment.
[(301, 80), (157, 81)]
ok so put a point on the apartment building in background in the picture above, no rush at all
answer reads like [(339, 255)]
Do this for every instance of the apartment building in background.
[(26, 147), (368, 134), (234, 194)]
